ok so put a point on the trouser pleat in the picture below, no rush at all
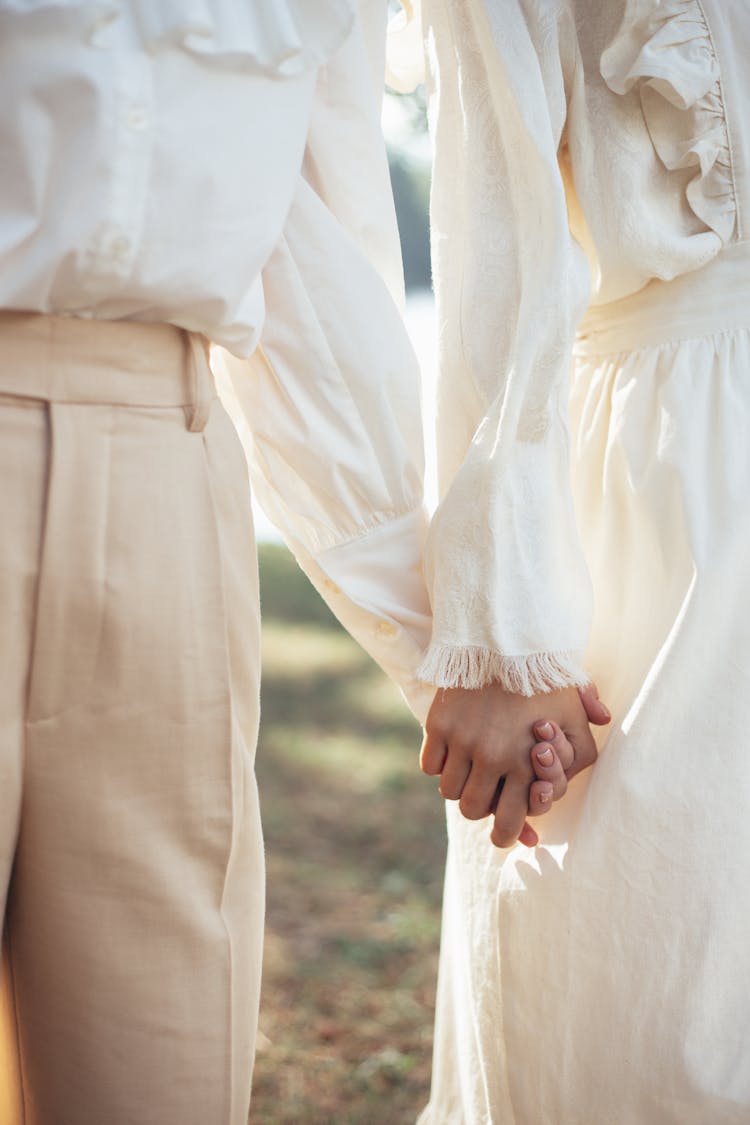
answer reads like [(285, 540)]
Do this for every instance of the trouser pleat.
[(136, 905), (72, 578)]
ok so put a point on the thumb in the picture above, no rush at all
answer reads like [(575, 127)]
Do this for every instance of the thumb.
[(596, 711)]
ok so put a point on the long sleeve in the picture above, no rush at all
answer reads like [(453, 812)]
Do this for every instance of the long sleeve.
[(508, 583), (331, 396)]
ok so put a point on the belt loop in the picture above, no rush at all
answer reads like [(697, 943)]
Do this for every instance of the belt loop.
[(200, 383)]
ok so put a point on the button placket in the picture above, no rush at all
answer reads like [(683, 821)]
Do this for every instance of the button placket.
[(120, 235)]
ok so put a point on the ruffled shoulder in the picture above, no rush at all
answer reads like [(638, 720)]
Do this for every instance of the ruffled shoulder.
[(664, 49), (277, 37)]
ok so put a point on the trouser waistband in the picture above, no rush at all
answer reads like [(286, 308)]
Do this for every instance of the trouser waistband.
[(123, 362)]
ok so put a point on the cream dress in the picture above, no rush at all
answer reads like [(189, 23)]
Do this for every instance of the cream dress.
[(603, 977)]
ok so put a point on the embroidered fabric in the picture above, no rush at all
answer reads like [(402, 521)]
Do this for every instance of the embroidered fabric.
[(665, 51), (509, 587), (278, 37)]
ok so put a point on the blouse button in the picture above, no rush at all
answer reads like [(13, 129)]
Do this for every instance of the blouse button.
[(137, 118)]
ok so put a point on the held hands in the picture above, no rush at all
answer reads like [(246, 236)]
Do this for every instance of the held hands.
[(494, 754)]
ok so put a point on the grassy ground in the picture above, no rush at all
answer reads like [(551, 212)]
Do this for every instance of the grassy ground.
[(355, 850)]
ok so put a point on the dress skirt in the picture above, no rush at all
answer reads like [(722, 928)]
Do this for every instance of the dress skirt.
[(603, 977)]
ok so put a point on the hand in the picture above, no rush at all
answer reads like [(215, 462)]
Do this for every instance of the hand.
[(479, 741), (553, 758)]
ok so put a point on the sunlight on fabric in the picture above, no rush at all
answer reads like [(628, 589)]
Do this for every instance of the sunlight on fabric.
[(420, 324), (524, 866)]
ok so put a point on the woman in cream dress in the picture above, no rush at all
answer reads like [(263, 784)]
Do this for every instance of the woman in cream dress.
[(596, 155)]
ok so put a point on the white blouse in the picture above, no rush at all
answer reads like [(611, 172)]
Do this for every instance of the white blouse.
[(131, 140), (219, 165)]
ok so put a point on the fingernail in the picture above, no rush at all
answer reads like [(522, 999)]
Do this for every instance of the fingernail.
[(545, 730), (545, 757), (605, 709), (545, 796)]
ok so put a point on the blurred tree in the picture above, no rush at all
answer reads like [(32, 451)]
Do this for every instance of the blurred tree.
[(405, 124), (411, 194)]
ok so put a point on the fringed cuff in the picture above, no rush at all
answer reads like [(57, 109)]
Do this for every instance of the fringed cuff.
[(474, 667)]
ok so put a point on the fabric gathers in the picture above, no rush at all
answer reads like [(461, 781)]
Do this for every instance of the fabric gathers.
[(665, 52), (282, 38), (278, 37)]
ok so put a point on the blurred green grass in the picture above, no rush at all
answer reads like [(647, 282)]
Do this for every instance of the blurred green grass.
[(355, 843)]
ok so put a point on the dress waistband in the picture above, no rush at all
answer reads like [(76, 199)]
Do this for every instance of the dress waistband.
[(715, 298), (114, 362)]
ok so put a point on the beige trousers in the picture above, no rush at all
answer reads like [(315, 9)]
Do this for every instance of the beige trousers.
[(131, 864)]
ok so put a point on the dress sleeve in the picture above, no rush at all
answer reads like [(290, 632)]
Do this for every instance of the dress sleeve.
[(330, 398), (508, 583)]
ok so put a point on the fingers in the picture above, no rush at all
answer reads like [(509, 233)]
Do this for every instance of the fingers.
[(548, 767), (551, 734), (540, 798), (454, 776), (476, 788), (480, 793), (551, 783), (528, 836), (596, 712), (511, 811), (575, 749), (432, 755)]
